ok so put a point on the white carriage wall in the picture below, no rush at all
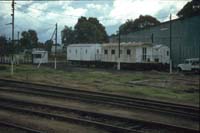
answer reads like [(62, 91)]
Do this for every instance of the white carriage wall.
[(40, 57), (107, 55), (139, 54), (161, 53), (130, 53), (84, 52)]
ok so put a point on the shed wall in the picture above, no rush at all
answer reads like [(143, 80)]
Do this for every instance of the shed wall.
[(185, 37)]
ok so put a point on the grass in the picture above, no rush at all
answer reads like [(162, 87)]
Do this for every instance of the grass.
[(110, 81)]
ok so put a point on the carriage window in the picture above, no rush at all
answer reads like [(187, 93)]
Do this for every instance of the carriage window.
[(105, 51), (156, 60), (128, 52), (37, 55), (97, 51), (167, 53), (86, 51), (113, 51), (76, 51)]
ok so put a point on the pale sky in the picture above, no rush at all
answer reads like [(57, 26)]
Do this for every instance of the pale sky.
[(43, 15)]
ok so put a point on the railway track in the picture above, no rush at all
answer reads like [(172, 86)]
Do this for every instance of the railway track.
[(19, 128), (187, 111), (111, 123)]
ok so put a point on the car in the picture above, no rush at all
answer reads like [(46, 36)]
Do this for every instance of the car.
[(192, 64)]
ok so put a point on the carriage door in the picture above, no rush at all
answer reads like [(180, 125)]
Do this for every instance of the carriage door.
[(144, 54)]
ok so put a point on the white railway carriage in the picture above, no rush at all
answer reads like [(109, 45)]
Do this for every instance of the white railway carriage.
[(135, 53), (83, 52), (132, 55)]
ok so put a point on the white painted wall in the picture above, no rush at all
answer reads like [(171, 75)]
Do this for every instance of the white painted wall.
[(88, 52), (84, 52), (43, 57), (134, 57), (160, 52), (138, 54)]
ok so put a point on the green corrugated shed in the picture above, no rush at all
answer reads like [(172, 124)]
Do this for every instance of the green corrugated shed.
[(185, 37)]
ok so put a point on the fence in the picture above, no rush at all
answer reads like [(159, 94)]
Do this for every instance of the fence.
[(17, 59)]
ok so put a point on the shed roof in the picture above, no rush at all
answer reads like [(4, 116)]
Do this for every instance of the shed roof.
[(134, 44), (38, 52), (84, 45)]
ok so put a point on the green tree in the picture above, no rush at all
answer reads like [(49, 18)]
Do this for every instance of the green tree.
[(85, 31), (49, 44), (99, 29), (67, 35), (190, 9), (139, 23), (41, 45), (127, 27), (90, 31), (33, 38), (2, 40), (24, 41), (29, 39), (3, 44)]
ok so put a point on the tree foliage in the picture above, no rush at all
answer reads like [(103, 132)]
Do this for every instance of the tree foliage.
[(190, 9), (67, 35), (7, 47), (2, 40), (29, 39), (49, 44), (3, 44), (139, 23), (85, 31)]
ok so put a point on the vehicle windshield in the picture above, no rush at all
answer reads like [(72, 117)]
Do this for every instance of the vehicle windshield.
[(186, 61)]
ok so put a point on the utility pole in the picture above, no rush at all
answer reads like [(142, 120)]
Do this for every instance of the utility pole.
[(18, 41), (152, 38), (119, 39), (55, 45), (13, 23), (18, 37), (170, 44)]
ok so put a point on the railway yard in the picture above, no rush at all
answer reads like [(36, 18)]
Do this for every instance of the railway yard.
[(99, 66), (89, 100)]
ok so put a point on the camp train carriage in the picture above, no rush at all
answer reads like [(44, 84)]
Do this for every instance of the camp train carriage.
[(130, 55)]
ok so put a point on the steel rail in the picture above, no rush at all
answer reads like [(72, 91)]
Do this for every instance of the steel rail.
[(170, 108), (20, 127), (57, 94), (50, 116), (93, 116), (185, 106)]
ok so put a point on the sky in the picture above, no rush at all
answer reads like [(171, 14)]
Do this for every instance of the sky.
[(42, 16)]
